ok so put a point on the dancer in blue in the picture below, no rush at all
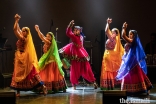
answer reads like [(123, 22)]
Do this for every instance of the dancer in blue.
[(133, 68)]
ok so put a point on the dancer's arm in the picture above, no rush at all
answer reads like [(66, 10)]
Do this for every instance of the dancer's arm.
[(42, 37), (16, 27), (124, 36), (69, 32), (107, 29)]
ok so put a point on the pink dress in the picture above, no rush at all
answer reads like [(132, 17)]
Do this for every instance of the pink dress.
[(79, 58), (136, 81)]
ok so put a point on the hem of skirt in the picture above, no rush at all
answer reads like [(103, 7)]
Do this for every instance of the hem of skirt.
[(20, 89), (139, 92), (53, 90), (58, 90)]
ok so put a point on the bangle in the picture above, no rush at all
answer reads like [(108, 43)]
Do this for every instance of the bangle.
[(123, 27), (69, 26)]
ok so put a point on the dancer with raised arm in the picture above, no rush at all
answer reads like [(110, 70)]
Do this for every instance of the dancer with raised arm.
[(50, 65), (133, 69), (25, 75), (111, 58), (79, 58)]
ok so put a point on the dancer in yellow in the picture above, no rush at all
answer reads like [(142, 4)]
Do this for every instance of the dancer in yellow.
[(25, 76), (111, 59)]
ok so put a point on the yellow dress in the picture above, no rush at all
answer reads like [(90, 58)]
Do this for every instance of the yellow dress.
[(110, 64), (25, 75)]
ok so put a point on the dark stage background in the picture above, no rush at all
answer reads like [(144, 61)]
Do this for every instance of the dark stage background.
[(90, 14)]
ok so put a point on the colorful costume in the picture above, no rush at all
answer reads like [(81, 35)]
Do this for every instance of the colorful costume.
[(111, 63), (78, 57), (25, 76), (133, 69), (50, 67)]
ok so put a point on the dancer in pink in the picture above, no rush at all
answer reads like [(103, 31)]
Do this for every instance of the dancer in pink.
[(79, 58)]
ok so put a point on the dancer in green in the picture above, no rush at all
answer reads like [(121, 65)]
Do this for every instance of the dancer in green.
[(50, 65)]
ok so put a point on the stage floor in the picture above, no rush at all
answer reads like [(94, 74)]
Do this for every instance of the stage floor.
[(82, 95)]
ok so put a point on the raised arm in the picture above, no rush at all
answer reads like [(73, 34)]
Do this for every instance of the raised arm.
[(69, 32), (123, 34), (42, 37), (107, 29), (16, 27)]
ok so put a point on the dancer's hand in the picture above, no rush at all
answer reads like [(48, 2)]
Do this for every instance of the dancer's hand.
[(71, 23), (37, 27), (109, 20), (124, 25), (17, 17)]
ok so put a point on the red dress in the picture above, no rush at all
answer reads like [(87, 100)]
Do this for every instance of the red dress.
[(79, 58), (136, 81), (75, 49)]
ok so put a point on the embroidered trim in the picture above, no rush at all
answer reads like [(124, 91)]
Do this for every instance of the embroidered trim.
[(74, 57), (27, 84), (77, 45), (137, 87), (109, 83)]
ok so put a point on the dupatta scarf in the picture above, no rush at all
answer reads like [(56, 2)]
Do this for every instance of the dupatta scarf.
[(134, 56), (51, 55), (25, 61)]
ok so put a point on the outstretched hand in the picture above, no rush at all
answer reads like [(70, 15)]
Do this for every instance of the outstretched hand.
[(109, 20), (17, 17), (71, 23), (124, 25), (36, 27)]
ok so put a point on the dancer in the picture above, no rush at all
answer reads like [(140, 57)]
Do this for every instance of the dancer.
[(65, 61), (133, 69), (111, 58), (50, 65), (25, 76), (78, 57)]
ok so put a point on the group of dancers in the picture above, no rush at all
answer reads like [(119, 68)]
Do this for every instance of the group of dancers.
[(124, 66), (119, 66)]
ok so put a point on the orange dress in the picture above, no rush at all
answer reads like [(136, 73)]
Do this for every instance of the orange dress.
[(25, 75), (51, 76), (111, 63)]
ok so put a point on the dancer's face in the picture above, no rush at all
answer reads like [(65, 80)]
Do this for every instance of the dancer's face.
[(48, 37), (24, 32), (114, 33), (131, 35), (76, 31)]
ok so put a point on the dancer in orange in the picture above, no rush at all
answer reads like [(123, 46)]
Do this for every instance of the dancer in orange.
[(25, 76), (50, 65), (111, 59)]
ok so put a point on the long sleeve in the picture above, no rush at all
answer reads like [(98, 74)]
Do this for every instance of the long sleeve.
[(69, 33)]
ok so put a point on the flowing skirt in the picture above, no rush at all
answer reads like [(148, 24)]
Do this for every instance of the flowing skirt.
[(52, 78), (136, 81), (72, 52), (31, 82), (79, 63), (110, 64)]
